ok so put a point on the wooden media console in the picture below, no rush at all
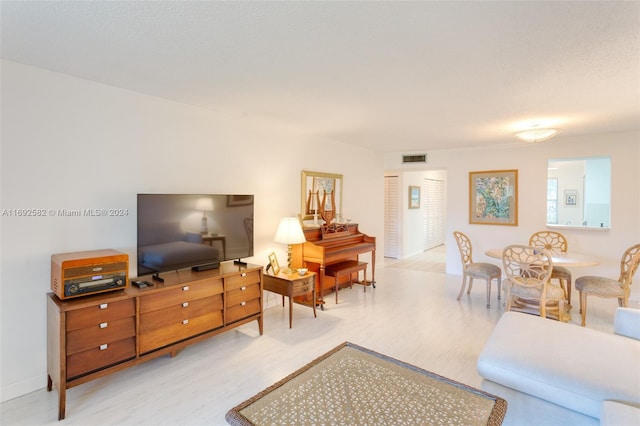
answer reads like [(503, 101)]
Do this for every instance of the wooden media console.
[(93, 336)]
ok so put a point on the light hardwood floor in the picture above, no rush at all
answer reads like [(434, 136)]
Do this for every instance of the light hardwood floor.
[(411, 315)]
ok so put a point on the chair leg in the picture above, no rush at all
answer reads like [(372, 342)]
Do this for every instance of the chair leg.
[(489, 292), (470, 285), (464, 284), (499, 286), (569, 291), (583, 307)]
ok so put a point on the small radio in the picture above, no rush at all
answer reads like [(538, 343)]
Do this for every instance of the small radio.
[(88, 272)]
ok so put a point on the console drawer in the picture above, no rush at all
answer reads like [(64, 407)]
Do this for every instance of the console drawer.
[(107, 332), (97, 314), (179, 330), (243, 310), (152, 321), (243, 279), (100, 357), (303, 287), (243, 294), (179, 294)]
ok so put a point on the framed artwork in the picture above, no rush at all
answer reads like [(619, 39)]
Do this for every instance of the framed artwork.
[(273, 261), (570, 197), (239, 200), (493, 197), (414, 197)]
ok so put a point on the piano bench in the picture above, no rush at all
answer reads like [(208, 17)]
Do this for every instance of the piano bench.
[(347, 267)]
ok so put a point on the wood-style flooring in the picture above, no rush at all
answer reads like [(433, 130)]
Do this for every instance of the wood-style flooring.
[(411, 315)]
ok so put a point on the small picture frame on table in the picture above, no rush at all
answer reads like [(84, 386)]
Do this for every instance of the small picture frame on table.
[(273, 262)]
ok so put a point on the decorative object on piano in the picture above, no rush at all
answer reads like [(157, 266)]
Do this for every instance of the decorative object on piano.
[(289, 232), (273, 264), (414, 197), (327, 206), (493, 197), (320, 191)]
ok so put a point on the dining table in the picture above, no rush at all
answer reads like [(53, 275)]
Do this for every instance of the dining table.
[(557, 257)]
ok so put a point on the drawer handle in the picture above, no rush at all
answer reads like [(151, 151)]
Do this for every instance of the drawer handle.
[(103, 347), (185, 321), (244, 274), (185, 288), (104, 305), (243, 288), (104, 325), (243, 303), (185, 304)]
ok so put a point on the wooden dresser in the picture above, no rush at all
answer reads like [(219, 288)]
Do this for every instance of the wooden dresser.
[(90, 337)]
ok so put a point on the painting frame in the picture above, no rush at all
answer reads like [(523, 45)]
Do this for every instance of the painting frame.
[(273, 261), (493, 197), (414, 197), (571, 197), (236, 200)]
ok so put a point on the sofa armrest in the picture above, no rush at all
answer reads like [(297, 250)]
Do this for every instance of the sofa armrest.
[(627, 322)]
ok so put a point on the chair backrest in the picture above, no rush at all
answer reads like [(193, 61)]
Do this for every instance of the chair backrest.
[(464, 245), (629, 265), (549, 240), (527, 266)]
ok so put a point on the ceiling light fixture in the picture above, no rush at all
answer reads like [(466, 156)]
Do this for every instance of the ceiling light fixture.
[(537, 134)]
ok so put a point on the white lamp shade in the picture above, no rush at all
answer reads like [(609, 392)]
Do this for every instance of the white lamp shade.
[(289, 232), (204, 204)]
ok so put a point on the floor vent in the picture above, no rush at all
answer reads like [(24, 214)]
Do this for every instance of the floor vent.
[(417, 158)]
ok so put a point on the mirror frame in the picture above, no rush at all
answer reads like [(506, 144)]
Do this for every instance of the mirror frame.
[(307, 183)]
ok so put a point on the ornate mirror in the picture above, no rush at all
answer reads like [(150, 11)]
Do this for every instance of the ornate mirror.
[(319, 188)]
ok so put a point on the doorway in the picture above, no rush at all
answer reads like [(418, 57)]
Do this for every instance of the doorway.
[(408, 234)]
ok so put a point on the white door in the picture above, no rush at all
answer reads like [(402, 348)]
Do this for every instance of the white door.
[(391, 216), (433, 212)]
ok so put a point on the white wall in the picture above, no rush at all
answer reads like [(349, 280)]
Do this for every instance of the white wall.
[(73, 144), (531, 162)]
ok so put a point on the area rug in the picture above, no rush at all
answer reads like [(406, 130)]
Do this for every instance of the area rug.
[(351, 385)]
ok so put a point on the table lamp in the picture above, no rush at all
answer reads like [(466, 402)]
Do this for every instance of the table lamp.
[(289, 232), (204, 204)]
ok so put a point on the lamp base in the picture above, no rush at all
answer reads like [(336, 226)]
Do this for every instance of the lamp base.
[(289, 271)]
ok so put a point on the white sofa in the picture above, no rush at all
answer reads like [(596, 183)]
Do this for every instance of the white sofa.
[(585, 370)]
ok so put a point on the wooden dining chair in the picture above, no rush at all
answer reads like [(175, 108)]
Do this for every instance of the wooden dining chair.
[(479, 270), (527, 284), (554, 241), (608, 287)]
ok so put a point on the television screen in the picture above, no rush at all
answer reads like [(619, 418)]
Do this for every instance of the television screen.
[(177, 231)]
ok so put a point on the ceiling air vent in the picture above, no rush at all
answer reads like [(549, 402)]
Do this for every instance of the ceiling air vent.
[(416, 158)]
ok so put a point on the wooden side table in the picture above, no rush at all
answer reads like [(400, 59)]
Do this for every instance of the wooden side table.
[(291, 286), (208, 239)]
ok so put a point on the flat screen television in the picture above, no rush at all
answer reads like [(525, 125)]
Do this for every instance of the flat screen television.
[(198, 231)]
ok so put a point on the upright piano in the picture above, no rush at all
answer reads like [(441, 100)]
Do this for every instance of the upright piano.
[(324, 248)]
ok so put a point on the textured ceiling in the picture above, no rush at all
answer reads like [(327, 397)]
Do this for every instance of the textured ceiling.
[(390, 76)]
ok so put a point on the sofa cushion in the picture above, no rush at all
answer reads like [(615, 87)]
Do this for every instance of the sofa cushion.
[(618, 414), (563, 363), (627, 322)]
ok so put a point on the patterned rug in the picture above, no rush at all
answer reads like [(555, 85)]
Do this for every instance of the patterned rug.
[(351, 385)]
